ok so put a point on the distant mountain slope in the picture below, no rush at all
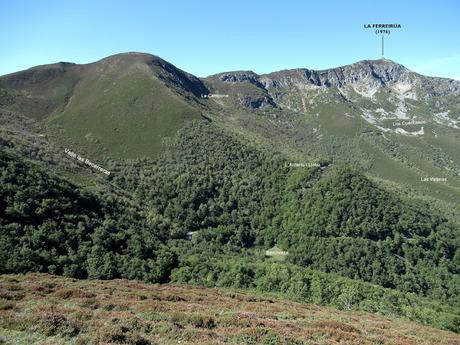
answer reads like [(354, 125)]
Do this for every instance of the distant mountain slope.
[(400, 126), (121, 106), (364, 77)]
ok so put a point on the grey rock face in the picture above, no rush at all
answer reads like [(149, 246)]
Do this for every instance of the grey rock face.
[(172, 75), (363, 74), (240, 77), (257, 103), (292, 89)]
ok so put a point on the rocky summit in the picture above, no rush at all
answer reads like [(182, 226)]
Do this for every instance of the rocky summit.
[(365, 76)]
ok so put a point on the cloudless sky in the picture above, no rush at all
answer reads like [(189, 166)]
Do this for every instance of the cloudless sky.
[(207, 37)]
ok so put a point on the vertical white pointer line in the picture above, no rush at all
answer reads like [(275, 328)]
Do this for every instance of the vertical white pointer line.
[(382, 46)]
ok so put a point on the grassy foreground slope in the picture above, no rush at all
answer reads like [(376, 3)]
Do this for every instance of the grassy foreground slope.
[(45, 309)]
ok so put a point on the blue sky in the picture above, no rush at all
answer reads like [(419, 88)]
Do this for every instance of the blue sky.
[(206, 37)]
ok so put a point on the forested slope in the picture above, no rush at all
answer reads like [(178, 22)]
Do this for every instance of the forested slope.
[(329, 218), (50, 225), (351, 244)]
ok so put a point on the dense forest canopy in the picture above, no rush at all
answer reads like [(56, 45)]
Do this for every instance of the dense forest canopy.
[(345, 236)]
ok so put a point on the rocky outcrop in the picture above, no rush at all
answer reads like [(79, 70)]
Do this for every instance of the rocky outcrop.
[(363, 75)]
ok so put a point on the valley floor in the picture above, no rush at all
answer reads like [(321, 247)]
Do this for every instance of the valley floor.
[(46, 309)]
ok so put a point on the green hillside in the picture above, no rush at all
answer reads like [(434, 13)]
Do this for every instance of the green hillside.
[(121, 106), (326, 133), (353, 114), (104, 113)]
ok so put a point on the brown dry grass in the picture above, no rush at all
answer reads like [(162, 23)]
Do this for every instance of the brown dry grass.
[(62, 310)]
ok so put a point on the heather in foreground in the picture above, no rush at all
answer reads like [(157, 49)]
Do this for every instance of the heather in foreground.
[(45, 309)]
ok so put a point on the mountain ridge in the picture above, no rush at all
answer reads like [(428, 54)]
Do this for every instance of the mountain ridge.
[(122, 60), (384, 71), (149, 58)]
